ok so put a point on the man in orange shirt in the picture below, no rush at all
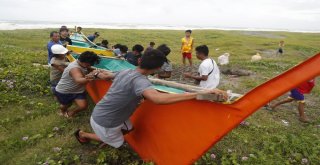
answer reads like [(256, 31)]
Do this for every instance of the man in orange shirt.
[(186, 47)]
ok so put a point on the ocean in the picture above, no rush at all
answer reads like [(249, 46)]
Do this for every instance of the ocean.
[(13, 25)]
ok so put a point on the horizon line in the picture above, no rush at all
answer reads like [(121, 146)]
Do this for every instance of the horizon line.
[(31, 24)]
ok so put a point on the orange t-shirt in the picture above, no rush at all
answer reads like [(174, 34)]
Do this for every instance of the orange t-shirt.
[(187, 45)]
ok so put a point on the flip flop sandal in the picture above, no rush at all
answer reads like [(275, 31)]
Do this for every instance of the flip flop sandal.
[(80, 140), (124, 131)]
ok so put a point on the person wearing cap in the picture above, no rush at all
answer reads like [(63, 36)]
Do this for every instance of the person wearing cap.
[(58, 63), (93, 36), (55, 39), (64, 37)]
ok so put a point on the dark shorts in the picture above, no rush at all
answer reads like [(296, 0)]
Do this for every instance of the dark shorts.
[(187, 55), (67, 99), (295, 94), (280, 50)]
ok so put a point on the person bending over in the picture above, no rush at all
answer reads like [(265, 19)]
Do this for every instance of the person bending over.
[(58, 64), (208, 72), (110, 117), (135, 55), (71, 87), (166, 68)]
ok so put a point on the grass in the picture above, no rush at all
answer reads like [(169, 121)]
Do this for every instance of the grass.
[(28, 110)]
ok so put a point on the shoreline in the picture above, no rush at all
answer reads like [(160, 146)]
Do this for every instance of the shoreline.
[(29, 25)]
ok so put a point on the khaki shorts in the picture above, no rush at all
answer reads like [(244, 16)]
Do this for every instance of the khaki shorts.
[(111, 136)]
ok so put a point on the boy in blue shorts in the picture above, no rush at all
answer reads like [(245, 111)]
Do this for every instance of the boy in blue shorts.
[(297, 94)]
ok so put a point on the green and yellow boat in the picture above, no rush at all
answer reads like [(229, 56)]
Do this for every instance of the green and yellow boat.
[(80, 43)]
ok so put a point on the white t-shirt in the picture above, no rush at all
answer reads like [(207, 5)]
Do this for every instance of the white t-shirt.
[(205, 68)]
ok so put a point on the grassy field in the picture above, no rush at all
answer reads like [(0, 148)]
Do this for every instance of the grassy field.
[(31, 132)]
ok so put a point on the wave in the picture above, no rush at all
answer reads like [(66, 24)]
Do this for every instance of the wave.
[(14, 25)]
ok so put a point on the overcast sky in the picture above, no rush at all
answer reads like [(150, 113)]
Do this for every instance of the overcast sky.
[(279, 14)]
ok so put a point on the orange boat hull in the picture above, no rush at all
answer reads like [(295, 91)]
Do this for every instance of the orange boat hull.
[(181, 133)]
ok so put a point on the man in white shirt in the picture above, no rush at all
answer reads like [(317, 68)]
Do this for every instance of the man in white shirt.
[(208, 72)]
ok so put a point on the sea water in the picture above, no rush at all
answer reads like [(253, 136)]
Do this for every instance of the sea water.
[(13, 25)]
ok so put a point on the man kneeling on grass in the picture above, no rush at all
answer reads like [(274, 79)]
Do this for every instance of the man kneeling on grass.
[(71, 87), (110, 117)]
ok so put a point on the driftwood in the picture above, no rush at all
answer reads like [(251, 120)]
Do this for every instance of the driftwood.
[(237, 72)]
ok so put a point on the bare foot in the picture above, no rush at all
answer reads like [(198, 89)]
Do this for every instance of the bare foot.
[(272, 107), (61, 112), (269, 107), (68, 115), (304, 120), (81, 134), (244, 123)]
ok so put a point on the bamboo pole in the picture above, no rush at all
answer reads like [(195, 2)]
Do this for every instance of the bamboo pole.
[(190, 88), (185, 87)]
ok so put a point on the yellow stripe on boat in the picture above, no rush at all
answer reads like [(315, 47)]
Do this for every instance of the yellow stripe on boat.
[(78, 50)]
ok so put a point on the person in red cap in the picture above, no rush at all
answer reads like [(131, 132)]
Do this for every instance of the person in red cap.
[(297, 94)]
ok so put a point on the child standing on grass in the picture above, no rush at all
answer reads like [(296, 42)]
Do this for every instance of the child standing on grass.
[(280, 50), (186, 47), (297, 95), (58, 64)]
